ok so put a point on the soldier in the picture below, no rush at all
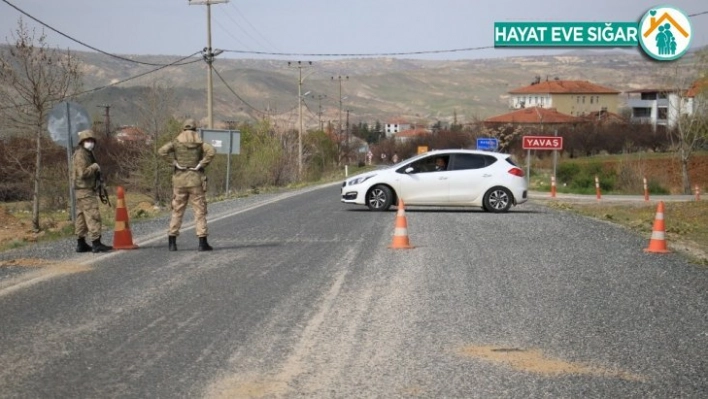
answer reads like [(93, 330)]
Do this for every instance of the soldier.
[(85, 174), (189, 156)]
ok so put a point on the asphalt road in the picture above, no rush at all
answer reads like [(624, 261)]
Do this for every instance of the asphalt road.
[(302, 298)]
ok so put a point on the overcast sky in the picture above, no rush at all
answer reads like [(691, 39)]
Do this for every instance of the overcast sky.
[(173, 27)]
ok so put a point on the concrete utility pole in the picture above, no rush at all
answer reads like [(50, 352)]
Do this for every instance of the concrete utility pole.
[(300, 96), (209, 56), (106, 119), (339, 132), (319, 109)]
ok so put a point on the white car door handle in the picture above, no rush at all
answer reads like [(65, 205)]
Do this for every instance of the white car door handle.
[(443, 178), (486, 175)]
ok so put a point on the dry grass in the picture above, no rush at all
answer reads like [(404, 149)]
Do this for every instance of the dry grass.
[(686, 223), (16, 220)]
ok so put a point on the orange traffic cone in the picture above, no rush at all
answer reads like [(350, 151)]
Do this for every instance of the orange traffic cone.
[(122, 237), (657, 243), (400, 235)]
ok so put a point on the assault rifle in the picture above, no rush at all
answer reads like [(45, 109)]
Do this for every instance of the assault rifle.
[(100, 188)]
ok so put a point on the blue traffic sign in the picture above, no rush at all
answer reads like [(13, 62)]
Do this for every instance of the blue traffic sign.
[(488, 144)]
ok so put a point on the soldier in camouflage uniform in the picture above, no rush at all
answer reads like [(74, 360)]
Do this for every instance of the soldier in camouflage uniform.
[(85, 173), (189, 156)]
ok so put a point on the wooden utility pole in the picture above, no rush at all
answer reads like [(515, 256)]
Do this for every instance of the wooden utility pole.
[(106, 119)]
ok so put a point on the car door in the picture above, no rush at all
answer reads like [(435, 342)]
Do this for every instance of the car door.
[(418, 183), (470, 177)]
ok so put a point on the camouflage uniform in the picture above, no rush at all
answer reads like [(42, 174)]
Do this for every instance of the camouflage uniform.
[(189, 156), (88, 218)]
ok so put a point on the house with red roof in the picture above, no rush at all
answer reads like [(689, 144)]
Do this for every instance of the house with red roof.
[(411, 134), (132, 134), (571, 97), (534, 116), (395, 125), (664, 106)]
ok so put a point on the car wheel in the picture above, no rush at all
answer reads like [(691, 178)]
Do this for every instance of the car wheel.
[(379, 198), (497, 200)]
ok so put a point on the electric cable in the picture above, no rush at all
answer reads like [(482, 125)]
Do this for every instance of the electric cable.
[(236, 94), (82, 43)]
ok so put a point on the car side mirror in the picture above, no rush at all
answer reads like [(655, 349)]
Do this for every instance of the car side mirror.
[(410, 170)]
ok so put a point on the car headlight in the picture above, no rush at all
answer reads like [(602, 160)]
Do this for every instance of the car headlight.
[(359, 180)]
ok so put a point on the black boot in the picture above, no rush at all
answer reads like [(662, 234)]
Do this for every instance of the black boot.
[(172, 242), (82, 246), (99, 247), (204, 245)]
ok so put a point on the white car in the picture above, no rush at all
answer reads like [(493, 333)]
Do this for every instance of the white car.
[(489, 180)]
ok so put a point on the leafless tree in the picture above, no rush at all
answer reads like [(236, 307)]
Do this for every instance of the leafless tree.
[(687, 106), (156, 110), (33, 78)]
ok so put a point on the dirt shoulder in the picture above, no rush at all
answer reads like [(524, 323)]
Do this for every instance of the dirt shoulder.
[(685, 221)]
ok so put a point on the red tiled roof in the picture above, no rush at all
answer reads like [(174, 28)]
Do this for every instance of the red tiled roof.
[(602, 116), (698, 87), (564, 87), (131, 133), (412, 133), (533, 115)]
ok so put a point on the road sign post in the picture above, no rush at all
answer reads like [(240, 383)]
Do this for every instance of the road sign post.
[(224, 142), (487, 143), (529, 143), (65, 120)]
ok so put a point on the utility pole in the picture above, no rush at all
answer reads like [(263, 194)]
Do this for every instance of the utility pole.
[(319, 109), (209, 56), (300, 96), (339, 132), (106, 119), (347, 130)]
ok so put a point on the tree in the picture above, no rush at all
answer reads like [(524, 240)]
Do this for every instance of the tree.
[(156, 108), (687, 101), (33, 79)]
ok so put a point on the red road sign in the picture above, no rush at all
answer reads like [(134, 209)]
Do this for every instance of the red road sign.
[(542, 143)]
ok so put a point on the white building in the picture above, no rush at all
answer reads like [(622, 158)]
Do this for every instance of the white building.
[(396, 125), (659, 107)]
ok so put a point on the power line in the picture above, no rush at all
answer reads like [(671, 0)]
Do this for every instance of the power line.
[(232, 4), (95, 89), (79, 41), (236, 94), (176, 63), (359, 54)]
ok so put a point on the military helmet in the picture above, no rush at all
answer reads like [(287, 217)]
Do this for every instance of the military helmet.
[(190, 125), (86, 134)]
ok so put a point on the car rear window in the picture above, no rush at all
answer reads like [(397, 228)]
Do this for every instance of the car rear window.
[(511, 161)]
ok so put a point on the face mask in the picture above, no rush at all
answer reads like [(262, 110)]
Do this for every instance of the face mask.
[(89, 145)]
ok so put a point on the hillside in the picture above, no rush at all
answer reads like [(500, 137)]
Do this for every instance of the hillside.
[(376, 88)]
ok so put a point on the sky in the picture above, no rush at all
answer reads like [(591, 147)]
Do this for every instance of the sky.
[(307, 29)]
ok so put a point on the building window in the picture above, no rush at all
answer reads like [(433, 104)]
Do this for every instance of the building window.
[(577, 99), (641, 112), (583, 99), (592, 98), (662, 113)]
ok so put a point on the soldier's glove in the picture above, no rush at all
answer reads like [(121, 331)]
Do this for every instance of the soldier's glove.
[(198, 167), (95, 167), (178, 166)]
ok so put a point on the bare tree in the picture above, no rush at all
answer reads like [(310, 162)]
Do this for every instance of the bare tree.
[(33, 79), (688, 111), (156, 110)]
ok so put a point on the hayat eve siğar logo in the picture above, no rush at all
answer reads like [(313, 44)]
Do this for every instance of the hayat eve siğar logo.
[(665, 33)]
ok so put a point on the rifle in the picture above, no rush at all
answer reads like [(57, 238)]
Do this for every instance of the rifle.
[(100, 188)]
